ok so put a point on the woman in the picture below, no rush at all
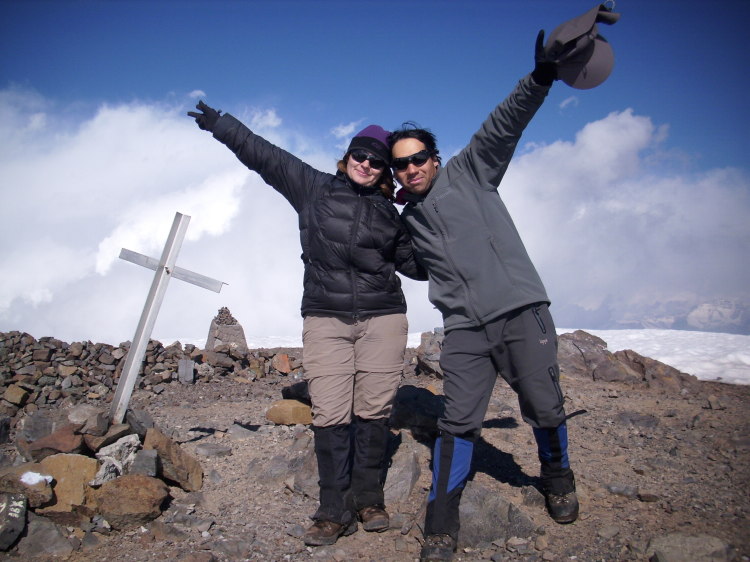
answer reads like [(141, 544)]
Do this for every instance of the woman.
[(355, 328)]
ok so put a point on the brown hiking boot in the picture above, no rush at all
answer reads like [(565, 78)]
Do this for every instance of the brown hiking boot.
[(374, 518), (323, 533)]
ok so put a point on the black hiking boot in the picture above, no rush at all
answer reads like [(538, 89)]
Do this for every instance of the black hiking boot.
[(563, 508), (437, 548)]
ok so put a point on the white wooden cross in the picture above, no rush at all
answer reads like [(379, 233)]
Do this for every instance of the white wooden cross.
[(165, 268)]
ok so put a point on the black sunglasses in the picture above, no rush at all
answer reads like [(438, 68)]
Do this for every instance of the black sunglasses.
[(418, 159), (375, 163)]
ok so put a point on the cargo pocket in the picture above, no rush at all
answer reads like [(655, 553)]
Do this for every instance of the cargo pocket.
[(556, 383)]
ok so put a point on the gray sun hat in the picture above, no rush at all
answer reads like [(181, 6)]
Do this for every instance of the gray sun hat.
[(584, 58)]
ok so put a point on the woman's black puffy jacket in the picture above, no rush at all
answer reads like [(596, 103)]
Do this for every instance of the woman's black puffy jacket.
[(353, 240)]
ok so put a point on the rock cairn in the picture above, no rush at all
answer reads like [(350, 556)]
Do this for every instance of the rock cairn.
[(225, 330)]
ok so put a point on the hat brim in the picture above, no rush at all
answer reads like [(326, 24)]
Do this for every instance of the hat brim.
[(590, 68), (584, 58)]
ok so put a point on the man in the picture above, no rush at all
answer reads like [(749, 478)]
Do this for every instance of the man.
[(494, 305)]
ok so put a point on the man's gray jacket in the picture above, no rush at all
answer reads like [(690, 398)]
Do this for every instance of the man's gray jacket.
[(464, 236)]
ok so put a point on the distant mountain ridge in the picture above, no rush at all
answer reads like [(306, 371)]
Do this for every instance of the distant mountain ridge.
[(719, 315)]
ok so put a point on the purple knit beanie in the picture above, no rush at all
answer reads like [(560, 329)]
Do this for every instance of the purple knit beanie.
[(373, 139)]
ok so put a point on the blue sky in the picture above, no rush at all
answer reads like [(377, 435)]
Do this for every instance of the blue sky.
[(625, 194)]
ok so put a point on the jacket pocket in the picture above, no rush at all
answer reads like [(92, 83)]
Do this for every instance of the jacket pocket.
[(539, 319)]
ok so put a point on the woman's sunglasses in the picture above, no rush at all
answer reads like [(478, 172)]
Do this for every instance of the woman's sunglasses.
[(375, 163), (418, 159)]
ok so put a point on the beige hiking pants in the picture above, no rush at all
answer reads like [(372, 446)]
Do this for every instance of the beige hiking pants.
[(353, 368)]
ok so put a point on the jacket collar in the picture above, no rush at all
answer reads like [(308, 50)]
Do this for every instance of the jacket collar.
[(404, 196)]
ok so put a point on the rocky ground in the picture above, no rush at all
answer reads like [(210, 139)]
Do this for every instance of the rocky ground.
[(649, 464)]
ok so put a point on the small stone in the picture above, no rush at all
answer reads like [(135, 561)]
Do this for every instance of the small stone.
[(16, 395), (622, 490), (211, 450), (515, 543), (532, 497), (608, 532), (295, 531), (648, 497), (237, 431)]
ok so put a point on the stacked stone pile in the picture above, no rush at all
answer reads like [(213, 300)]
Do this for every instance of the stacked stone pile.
[(225, 329), (47, 372), (80, 471)]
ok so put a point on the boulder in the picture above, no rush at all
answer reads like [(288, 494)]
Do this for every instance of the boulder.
[(12, 518), (30, 480), (130, 501), (177, 465), (71, 474), (64, 440), (655, 373), (487, 517), (44, 540), (115, 432), (281, 363), (289, 412), (16, 395), (404, 471), (583, 355), (94, 420), (428, 353)]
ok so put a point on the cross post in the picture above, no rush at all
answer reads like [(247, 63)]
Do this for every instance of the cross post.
[(164, 268)]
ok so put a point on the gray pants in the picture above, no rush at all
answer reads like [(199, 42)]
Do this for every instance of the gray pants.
[(522, 348)]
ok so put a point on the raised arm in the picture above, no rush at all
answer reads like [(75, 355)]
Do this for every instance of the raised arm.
[(283, 171), (491, 148)]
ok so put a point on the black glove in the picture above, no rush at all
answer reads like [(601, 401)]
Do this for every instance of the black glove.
[(545, 70), (206, 120)]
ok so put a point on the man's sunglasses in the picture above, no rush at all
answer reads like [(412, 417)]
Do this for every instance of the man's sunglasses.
[(375, 163), (418, 159)]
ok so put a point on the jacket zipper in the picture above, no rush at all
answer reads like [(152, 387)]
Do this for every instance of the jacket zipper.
[(352, 274), (539, 320), (556, 384)]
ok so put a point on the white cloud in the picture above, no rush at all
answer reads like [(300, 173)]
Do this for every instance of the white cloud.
[(345, 130), (571, 101), (604, 217), (265, 119), (344, 133), (211, 206), (35, 271)]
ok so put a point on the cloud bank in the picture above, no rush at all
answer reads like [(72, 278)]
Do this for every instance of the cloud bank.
[(611, 218)]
